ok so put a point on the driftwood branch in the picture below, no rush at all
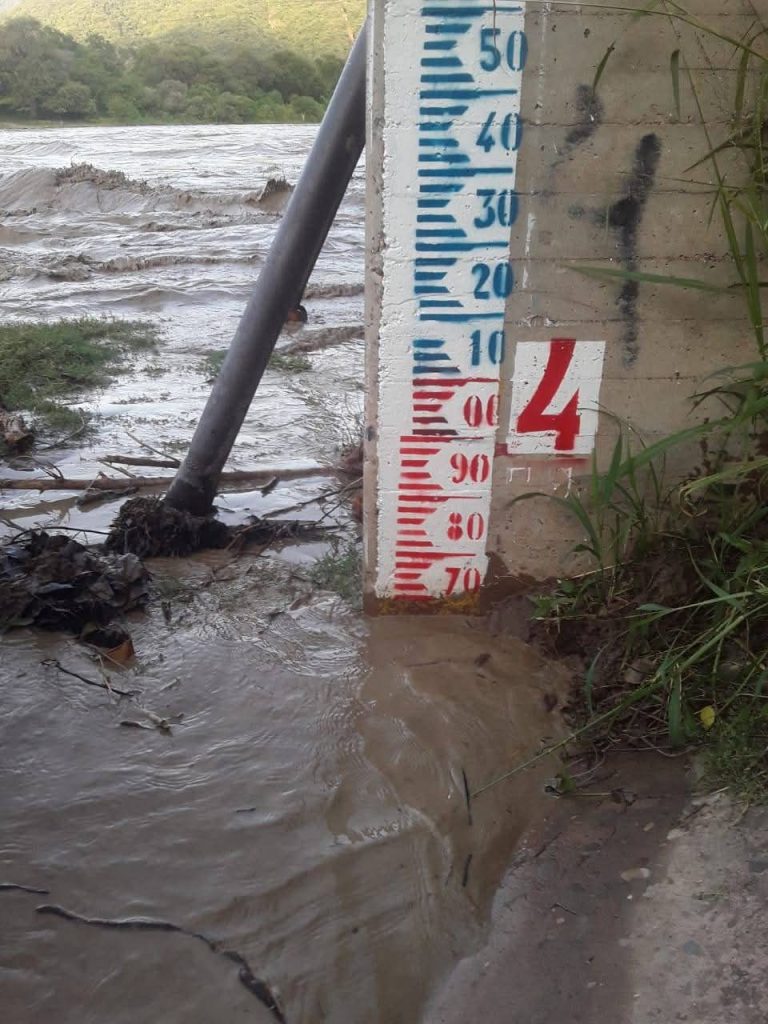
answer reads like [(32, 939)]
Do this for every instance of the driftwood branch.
[(155, 451), (84, 679), (132, 460), (105, 483)]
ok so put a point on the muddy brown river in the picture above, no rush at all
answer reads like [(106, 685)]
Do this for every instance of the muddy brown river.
[(286, 778)]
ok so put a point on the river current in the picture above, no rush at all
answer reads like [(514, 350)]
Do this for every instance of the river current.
[(307, 808)]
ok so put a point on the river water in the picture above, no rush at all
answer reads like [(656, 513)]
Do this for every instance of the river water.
[(308, 807), (178, 242)]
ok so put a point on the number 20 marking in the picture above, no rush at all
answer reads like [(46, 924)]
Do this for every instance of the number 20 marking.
[(503, 280)]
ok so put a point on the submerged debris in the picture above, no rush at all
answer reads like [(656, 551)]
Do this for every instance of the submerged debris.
[(148, 527), (15, 435), (56, 583)]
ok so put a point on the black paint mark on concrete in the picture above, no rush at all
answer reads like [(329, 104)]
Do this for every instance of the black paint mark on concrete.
[(590, 110), (589, 107), (625, 216)]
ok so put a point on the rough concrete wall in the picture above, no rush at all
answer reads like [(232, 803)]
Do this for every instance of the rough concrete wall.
[(600, 180), (603, 181)]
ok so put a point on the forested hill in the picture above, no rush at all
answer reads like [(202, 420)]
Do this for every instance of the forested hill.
[(47, 75), (310, 27)]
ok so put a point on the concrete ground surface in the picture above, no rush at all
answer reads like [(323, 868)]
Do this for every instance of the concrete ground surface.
[(645, 906)]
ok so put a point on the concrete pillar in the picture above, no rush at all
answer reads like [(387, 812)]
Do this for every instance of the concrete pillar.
[(493, 369)]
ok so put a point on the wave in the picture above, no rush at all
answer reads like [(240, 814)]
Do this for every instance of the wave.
[(334, 291), (324, 337), (79, 267), (85, 189)]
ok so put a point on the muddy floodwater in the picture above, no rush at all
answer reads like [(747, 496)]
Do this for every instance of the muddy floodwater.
[(281, 776), (177, 237)]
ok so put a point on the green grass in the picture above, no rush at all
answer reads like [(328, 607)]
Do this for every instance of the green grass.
[(289, 363), (211, 363), (340, 571), (43, 366)]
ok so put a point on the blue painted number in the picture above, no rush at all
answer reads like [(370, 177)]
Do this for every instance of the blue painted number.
[(503, 280), (517, 50), (510, 134), (494, 345), (498, 207)]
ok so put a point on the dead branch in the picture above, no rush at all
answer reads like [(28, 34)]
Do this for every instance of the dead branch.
[(155, 451), (132, 460), (84, 679), (105, 483)]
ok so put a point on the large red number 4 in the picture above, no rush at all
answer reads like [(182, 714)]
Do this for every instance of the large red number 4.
[(535, 419)]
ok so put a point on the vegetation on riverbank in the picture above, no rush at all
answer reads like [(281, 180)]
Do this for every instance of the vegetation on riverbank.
[(47, 75), (340, 572), (672, 623), (211, 363), (44, 366), (310, 27)]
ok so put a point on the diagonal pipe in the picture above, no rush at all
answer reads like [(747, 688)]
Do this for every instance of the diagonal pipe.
[(292, 256)]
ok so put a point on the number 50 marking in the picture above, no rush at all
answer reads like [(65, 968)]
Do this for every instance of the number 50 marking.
[(517, 50)]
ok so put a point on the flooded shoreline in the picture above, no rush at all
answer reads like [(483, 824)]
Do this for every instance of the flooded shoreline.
[(306, 807), (170, 225)]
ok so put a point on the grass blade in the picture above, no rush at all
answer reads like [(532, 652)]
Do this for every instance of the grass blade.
[(674, 67), (612, 274), (601, 66), (675, 714)]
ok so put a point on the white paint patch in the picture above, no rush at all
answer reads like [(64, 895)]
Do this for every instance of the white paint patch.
[(555, 397), (452, 132)]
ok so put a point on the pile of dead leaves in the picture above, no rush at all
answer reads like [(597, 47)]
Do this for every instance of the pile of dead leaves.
[(56, 583)]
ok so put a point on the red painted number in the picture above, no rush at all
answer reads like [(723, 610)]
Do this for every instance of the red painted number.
[(477, 469), (474, 526), (470, 578), (535, 419), (476, 414)]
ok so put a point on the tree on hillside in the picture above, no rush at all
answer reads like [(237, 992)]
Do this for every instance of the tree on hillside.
[(44, 73)]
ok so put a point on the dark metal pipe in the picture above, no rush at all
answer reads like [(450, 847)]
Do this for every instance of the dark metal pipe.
[(297, 244)]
